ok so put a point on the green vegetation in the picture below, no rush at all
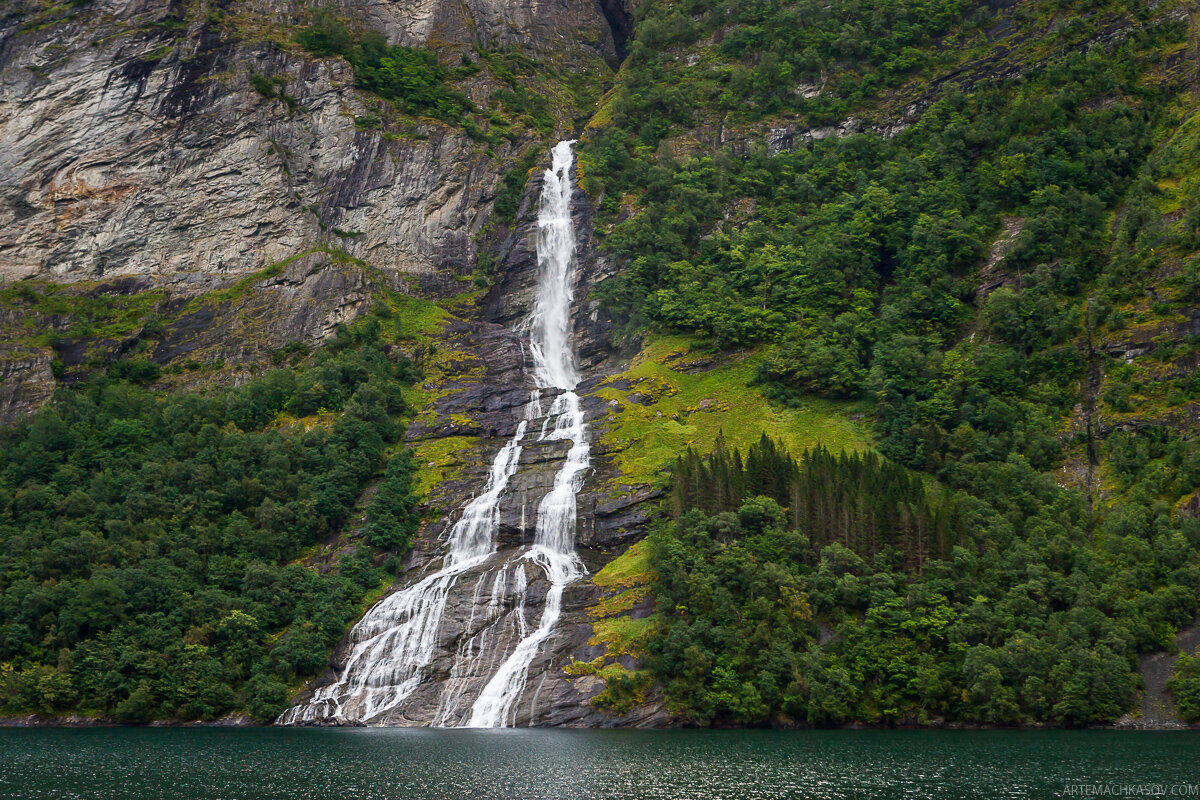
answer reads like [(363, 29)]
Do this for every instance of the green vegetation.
[(512, 186), (243, 285), (623, 689), (392, 518), (839, 53), (514, 69), (626, 581), (1184, 686), (854, 258), (148, 542), (858, 260), (84, 311), (437, 460), (631, 568), (1017, 620), (859, 501), (415, 319), (410, 78), (273, 89), (944, 253), (526, 97), (110, 329), (960, 257), (678, 398)]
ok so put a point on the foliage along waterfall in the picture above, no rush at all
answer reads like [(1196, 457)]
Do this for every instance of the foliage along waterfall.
[(395, 642)]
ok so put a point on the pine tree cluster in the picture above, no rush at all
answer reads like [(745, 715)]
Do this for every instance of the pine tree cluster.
[(859, 500)]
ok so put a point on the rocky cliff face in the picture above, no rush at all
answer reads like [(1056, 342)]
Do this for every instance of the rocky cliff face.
[(133, 147), (155, 200), (134, 142)]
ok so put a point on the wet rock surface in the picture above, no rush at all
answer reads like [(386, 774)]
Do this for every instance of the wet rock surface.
[(491, 607), (137, 156)]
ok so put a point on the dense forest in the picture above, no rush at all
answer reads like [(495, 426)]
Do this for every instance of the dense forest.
[(858, 500), (857, 262), (1002, 613), (149, 566)]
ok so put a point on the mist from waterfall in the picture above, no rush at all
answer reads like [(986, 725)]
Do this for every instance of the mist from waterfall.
[(395, 642)]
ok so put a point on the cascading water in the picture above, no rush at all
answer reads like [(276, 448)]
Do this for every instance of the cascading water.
[(553, 367), (395, 642)]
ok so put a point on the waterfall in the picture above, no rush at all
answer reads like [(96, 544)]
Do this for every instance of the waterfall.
[(554, 368), (395, 642), (550, 319)]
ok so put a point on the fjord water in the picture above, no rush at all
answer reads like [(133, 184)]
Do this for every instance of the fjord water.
[(547, 764), (395, 642)]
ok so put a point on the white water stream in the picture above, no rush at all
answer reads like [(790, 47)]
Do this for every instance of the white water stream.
[(395, 642), (554, 368)]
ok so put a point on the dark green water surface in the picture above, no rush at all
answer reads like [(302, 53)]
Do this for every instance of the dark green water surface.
[(186, 763)]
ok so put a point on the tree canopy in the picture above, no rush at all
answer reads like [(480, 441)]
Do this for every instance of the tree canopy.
[(149, 541)]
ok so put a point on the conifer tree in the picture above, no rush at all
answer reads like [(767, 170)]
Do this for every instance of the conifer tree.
[(861, 501)]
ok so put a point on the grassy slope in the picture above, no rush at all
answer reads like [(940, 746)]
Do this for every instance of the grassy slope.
[(626, 582), (687, 399), (689, 402), (420, 327)]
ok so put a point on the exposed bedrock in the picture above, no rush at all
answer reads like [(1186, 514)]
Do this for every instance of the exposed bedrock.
[(137, 154), (493, 605), (133, 141), (112, 165)]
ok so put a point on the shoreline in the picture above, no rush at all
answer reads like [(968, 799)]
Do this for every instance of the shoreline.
[(242, 721)]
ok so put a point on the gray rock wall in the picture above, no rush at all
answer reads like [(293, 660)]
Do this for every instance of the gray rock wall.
[(132, 140)]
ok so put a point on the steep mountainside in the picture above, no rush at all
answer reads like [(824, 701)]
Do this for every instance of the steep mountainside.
[(176, 148), (979, 218), (959, 234)]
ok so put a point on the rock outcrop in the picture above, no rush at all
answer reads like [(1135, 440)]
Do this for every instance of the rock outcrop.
[(133, 139), (187, 147), (230, 195)]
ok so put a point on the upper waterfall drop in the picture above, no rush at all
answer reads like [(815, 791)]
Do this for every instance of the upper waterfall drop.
[(550, 319)]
